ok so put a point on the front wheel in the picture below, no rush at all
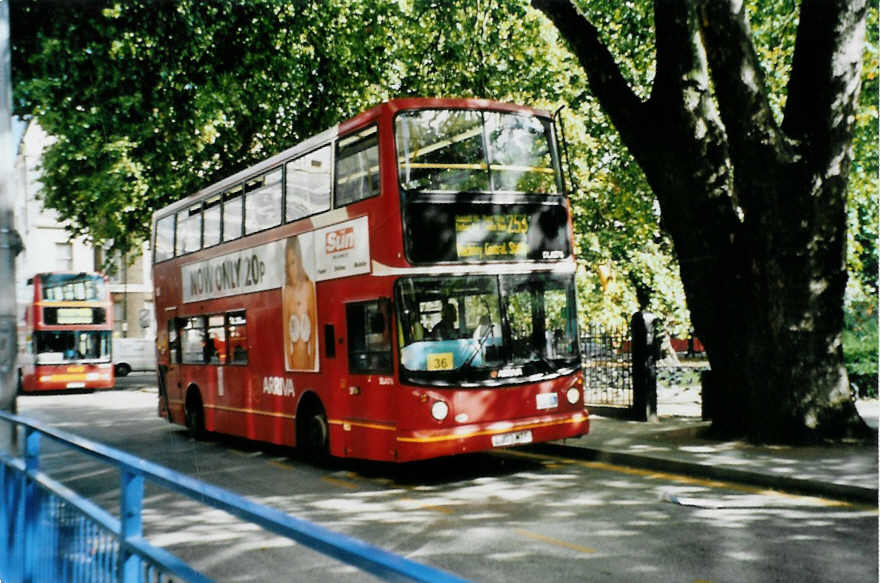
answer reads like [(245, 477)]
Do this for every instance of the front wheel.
[(122, 369)]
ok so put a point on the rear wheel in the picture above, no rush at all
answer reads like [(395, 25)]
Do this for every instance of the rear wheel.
[(313, 434), (122, 369), (194, 413)]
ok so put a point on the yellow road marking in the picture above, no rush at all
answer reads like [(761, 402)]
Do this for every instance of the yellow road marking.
[(340, 483), (441, 509), (240, 453), (430, 507), (280, 463), (554, 541)]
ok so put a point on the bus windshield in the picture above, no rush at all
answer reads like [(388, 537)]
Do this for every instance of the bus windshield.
[(442, 150), (64, 346), (486, 328)]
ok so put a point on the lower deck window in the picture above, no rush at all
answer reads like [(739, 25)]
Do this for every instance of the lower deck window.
[(236, 338), (193, 340), (213, 339)]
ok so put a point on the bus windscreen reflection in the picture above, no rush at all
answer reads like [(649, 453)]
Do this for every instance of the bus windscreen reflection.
[(486, 328)]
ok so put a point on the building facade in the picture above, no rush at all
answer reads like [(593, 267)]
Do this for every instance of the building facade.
[(49, 247), (132, 291)]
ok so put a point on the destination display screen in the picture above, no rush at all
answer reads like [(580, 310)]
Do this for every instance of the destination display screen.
[(488, 237), (69, 316), (474, 232)]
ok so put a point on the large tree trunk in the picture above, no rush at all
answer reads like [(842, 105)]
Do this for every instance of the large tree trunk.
[(756, 211)]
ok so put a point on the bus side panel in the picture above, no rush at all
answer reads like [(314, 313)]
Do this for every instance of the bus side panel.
[(367, 424), (271, 389)]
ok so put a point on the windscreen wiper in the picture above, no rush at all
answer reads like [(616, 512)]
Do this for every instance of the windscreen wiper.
[(479, 347)]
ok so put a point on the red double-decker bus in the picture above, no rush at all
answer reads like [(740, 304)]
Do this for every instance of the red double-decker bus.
[(398, 287), (67, 332)]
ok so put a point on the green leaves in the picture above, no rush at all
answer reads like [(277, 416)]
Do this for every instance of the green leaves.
[(152, 101)]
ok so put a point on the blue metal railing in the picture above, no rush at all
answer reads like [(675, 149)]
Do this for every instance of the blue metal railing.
[(50, 533)]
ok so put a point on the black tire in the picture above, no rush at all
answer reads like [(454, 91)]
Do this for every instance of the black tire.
[(194, 416), (313, 435), (121, 369)]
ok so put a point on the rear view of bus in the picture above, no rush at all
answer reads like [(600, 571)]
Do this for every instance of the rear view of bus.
[(399, 287), (67, 335)]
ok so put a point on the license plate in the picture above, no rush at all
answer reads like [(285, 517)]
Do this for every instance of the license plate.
[(547, 400), (76, 385), (516, 438)]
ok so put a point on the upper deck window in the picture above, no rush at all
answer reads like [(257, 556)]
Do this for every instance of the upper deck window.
[(232, 201), (189, 230), (520, 155), (164, 244), (357, 166), (72, 287), (262, 204), (212, 221), (308, 184), (442, 150)]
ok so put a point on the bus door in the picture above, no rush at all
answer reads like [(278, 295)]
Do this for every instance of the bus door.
[(168, 370), (370, 412)]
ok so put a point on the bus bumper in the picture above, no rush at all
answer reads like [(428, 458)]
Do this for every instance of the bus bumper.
[(423, 444), (61, 380)]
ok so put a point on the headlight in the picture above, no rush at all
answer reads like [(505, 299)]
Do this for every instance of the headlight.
[(439, 410), (573, 395)]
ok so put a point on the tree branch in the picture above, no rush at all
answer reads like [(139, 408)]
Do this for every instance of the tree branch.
[(680, 58), (825, 74), (739, 81), (618, 100)]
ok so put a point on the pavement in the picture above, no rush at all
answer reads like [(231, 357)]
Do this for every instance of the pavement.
[(677, 443)]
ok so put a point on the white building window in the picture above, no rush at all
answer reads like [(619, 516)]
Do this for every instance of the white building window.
[(120, 325), (64, 256)]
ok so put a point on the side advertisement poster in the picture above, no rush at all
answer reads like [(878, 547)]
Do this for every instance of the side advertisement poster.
[(249, 270), (299, 304), (292, 265), (342, 249)]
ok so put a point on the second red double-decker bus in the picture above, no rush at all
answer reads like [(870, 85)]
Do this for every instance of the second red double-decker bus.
[(396, 288), (67, 334)]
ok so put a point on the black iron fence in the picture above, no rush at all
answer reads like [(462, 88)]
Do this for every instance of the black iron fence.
[(607, 360), (608, 379)]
